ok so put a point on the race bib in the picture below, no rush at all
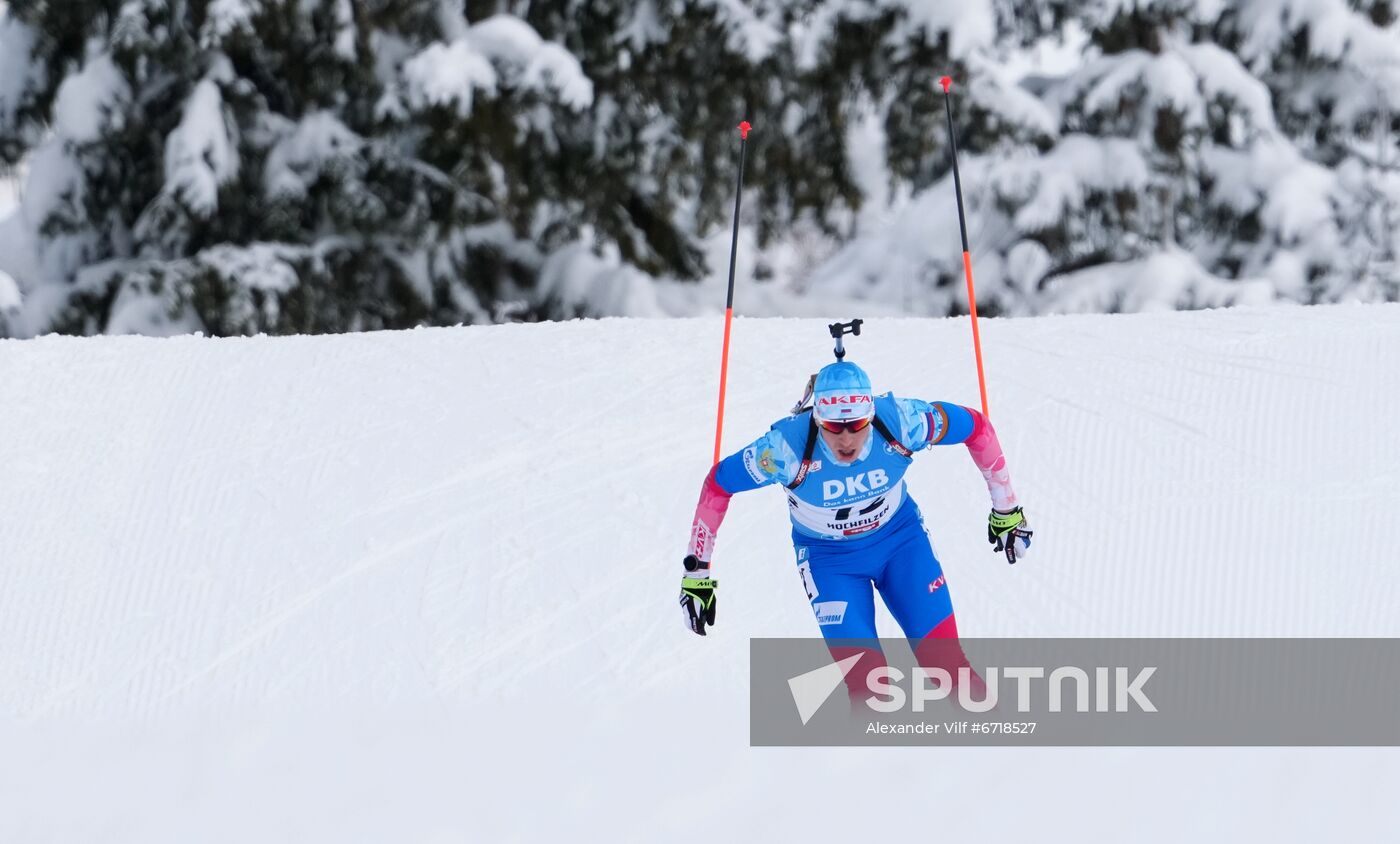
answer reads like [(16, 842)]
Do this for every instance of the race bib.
[(848, 520)]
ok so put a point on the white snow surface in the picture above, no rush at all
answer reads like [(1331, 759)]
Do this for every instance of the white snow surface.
[(16, 40), (89, 103), (201, 155), (969, 24), (500, 48), (310, 146), (421, 586), (224, 17), (9, 293), (9, 195)]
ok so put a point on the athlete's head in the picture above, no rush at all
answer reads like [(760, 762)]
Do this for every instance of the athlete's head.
[(843, 408)]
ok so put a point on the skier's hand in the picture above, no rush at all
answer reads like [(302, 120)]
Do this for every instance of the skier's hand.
[(1005, 528), (698, 595)]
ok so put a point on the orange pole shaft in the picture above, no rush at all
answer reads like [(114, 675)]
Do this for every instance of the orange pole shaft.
[(976, 335), (723, 377), (947, 83), (744, 128)]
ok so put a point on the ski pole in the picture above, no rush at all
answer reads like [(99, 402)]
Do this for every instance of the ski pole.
[(947, 83), (729, 302)]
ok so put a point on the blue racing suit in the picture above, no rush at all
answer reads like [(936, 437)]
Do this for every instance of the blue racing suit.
[(855, 528)]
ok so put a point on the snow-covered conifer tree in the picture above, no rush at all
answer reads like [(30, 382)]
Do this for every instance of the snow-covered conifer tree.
[(257, 165)]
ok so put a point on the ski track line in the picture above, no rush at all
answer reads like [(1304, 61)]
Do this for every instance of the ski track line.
[(269, 624), (220, 528)]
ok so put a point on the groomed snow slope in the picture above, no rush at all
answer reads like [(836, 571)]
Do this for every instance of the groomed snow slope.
[(420, 586)]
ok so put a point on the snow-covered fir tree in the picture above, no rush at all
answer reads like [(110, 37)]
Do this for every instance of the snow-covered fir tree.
[(253, 165), (1201, 154), (236, 166), (673, 78)]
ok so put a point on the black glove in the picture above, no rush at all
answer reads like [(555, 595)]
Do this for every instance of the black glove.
[(698, 595), (1004, 528)]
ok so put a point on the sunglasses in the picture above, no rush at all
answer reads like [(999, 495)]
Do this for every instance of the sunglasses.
[(837, 427)]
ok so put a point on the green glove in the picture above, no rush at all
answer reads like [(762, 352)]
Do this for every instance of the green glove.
[(698, 596), (1004, 528)]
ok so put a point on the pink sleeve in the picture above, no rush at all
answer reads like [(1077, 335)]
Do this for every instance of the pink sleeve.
[(714, 503), (986, 453)]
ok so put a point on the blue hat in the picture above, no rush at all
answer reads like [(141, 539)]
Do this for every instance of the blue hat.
[(841, 392)]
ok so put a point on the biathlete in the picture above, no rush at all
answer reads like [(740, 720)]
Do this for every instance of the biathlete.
[(855, 529)]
